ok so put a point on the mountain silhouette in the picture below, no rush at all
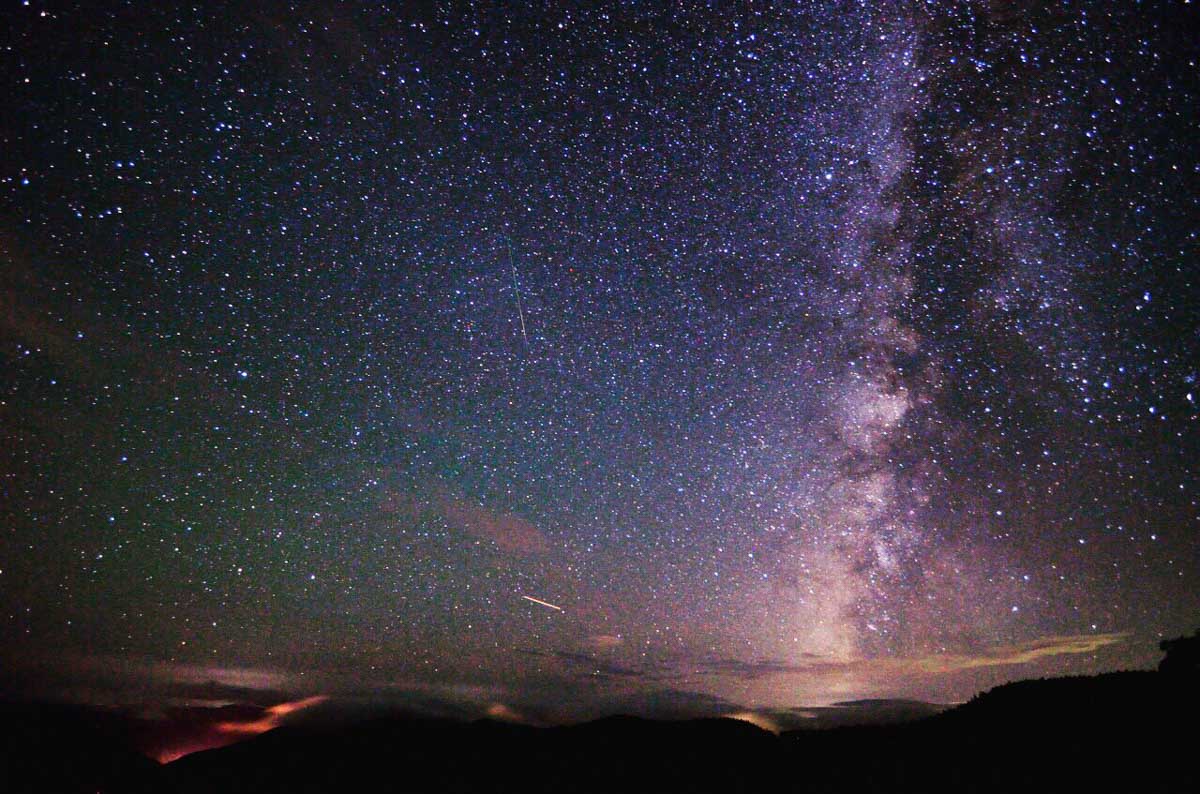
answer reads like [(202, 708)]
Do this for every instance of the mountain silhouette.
[(1118, 732)]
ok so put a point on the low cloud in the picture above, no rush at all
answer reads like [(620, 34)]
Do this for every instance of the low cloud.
[(212, 693), (235, 678), (749, 669), (598, 663)]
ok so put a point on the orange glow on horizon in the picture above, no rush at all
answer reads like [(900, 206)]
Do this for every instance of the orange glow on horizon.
[(271, 719), (232, 731), (166, 756)]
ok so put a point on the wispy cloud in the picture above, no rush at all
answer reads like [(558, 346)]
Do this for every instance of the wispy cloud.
[(1020, 653), (592, 666), (510, 533)]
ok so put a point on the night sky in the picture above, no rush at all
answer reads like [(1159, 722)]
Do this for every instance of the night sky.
[(548, 361)]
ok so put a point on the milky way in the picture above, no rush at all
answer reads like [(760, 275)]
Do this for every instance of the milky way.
[(792, 355)]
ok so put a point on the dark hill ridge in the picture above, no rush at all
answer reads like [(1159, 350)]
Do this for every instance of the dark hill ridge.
[(433, 755), (866, 712), (69, 750), (1118, 732), (1122, 732)]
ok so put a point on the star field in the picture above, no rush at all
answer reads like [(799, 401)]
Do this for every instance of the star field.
[(796, 353)]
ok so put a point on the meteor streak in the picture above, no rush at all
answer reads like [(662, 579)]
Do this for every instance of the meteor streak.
[(517, 289), (543, 603)]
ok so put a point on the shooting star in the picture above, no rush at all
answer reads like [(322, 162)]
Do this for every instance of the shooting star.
[(517, 289), (543, 603)]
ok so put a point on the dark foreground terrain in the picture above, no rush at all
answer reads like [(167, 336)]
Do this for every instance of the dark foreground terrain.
[(1122, 732)]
